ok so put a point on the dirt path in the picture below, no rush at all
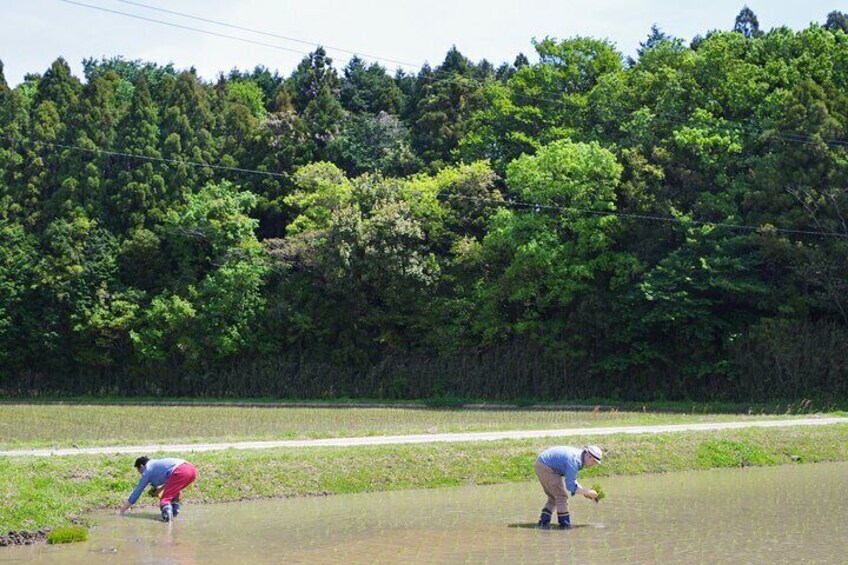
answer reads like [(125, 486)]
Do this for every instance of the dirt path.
[(420, 438)]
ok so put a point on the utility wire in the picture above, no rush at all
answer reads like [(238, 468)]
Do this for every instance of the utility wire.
[(647, 217), (269, 34), (180, 26), (436, 73), (513, 203), (783, 135), (786, 136), (145, 157)]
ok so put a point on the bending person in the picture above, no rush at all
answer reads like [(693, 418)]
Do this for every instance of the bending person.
[(557, 469), (168, 476)]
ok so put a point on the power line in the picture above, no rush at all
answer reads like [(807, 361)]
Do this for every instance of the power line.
[(100, 151), (273, 46), (786, 136), (518, 204), (269, 34), (180, 26), (783, 135), (646, 217)]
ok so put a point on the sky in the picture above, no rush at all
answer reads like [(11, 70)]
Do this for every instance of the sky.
[(33, 33)]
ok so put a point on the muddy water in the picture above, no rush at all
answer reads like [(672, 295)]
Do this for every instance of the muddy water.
[(787, 514)]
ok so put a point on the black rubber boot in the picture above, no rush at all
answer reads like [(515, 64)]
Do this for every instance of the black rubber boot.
[(544, 519), (167, 513)]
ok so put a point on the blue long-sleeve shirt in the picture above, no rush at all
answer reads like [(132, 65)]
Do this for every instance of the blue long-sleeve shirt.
[(156, 472), (565, 461)]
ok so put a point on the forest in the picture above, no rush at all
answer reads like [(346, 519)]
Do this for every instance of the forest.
[(585, 224)]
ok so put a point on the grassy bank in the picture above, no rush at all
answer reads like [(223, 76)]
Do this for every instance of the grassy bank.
[(777, 406), (67, 425), (40, 493)]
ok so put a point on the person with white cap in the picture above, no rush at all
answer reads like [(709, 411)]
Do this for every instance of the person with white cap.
[(557, 469)]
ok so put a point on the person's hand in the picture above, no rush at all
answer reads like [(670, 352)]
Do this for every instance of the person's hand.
[(592, 495)]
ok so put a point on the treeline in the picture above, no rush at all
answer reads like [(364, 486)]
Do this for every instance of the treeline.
[(669, 226)]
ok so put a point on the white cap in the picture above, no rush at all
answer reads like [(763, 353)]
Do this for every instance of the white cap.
[(595, 452)]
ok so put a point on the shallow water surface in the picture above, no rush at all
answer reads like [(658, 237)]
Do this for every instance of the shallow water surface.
[(786, 514)]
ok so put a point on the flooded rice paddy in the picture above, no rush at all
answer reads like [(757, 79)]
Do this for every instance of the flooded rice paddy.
[(787, 514)]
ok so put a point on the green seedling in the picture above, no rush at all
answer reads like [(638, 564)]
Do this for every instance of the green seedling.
[(598, 489), (67, 534)]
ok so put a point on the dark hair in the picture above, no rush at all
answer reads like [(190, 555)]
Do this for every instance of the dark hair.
[(141, 462)]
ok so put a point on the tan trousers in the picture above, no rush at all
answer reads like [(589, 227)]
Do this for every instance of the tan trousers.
[(554, 486)]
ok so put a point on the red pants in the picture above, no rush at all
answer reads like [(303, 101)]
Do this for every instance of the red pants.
[(182, 476)]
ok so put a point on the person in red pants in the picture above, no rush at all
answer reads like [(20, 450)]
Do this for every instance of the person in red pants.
[(171, 475)]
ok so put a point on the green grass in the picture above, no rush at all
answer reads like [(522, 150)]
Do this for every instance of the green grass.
[(729, 453), (68, 425), (67, 534), (803, 406), (62, 490)]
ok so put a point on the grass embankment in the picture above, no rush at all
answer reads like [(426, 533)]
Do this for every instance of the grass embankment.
[(804, 406), (40, 493), (62, 425)]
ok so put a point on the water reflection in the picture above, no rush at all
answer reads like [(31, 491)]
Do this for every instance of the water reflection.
[(776, 515)]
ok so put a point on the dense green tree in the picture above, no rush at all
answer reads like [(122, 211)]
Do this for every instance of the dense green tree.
[(128, 71), (697, 302), (540, 103), (314, 74), (544, 260), (448, 97), (39, 166), (262, 77), (505, 71), (44, 166), (283, 144), (314, 88), (75, 270), (248, 94), (138, 190), (186, 126), (321, 189), (60, 88), (837, 21), (747, 23), (378, 143), (92, 128), (239, 109), (13, 125), (18, 257), (363, 243), (673, 227), (368, 89), (215, 297), (655, 37), (324, 116)]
